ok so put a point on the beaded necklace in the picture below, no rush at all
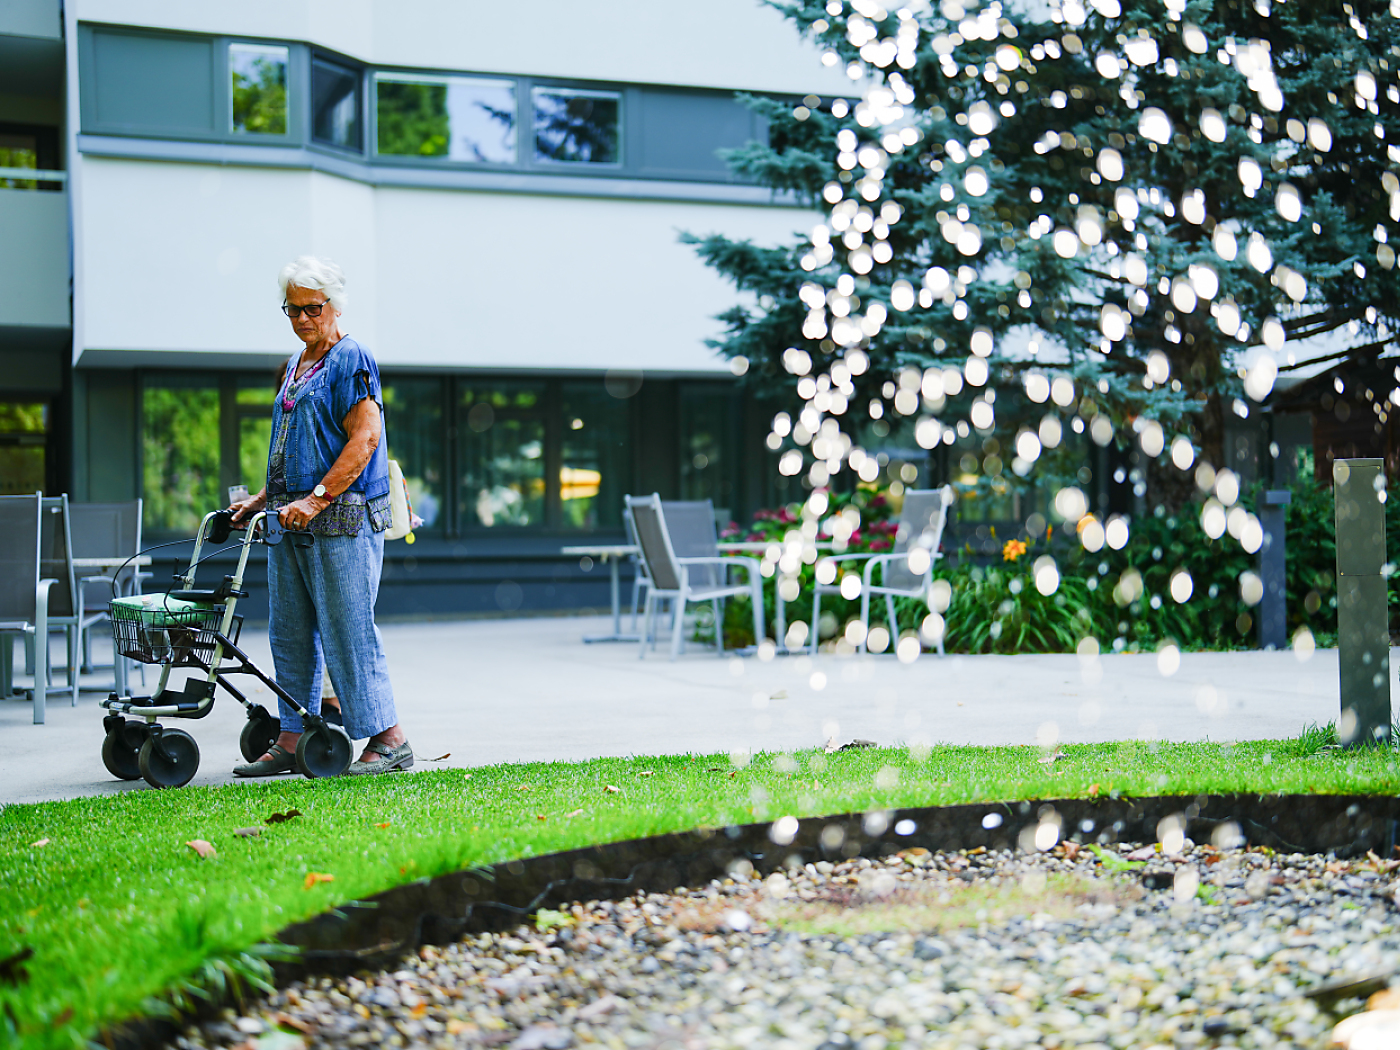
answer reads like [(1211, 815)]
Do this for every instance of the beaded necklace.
[(295, 386)]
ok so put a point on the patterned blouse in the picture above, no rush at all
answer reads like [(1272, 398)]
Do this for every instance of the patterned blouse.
[(346, 514)]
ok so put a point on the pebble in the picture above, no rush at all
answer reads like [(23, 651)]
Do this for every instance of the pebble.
[(1204, 948)]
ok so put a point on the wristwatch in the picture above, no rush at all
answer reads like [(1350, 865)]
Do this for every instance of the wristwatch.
[(319, 492)]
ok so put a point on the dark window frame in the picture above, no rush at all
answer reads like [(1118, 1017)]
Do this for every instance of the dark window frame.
[(364, 79)]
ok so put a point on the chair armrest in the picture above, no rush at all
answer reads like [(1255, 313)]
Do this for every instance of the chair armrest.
[(852, 557)]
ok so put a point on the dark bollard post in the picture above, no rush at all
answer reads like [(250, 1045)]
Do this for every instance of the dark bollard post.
[(1273, 610), (1363, 627)]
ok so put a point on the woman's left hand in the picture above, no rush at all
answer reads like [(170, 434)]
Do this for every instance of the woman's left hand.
[(298, 515)]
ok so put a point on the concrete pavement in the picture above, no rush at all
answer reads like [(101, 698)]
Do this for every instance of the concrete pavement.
[(489, 691)]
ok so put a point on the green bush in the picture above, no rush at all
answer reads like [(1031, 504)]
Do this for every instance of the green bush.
[(1121, 598)]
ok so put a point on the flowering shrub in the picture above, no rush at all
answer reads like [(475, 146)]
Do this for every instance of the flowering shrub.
[(1122, 598)]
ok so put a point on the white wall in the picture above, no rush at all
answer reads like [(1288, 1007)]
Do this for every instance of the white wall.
[(34, 262), (739, 44), (437, 278)]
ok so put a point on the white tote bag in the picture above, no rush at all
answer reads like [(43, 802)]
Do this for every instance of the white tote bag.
[(400, 513)]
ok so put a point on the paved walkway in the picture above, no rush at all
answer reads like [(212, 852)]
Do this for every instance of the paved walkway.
[(488, 691)]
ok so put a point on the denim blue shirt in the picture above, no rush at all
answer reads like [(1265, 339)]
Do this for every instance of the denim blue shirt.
[(316, 433)]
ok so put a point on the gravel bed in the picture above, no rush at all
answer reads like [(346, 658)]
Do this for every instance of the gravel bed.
[(970, 951)]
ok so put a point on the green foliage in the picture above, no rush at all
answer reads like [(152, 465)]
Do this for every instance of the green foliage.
[(180, 456), (1122, 598), (1057, 120), (260, 96), (412, 118), (998, 609)]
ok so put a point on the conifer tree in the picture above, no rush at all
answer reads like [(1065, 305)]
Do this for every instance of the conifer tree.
[(1164, 198)]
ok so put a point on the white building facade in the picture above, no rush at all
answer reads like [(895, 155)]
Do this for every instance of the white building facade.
[(505, 186)]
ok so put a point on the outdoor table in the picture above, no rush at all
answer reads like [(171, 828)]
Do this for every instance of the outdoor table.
[(612, 555), (115, 562), (760, 546)]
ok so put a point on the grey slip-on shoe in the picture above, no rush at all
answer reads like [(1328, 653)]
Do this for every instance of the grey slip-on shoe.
[(282, 761), (391, 758)]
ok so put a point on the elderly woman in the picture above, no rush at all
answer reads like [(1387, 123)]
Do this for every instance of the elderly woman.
[(327, 473)]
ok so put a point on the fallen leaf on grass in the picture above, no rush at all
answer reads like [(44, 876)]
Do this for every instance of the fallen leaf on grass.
[(1050, 759), (248, 833), (41, 843), (64, 1016), (646, 773), (1093, 790), (523, 787), (12, 969), (575, 813), (386, 824), (282, 818), (540, 816), (718, 769), (467, 776), (610, 789), (441, 758), (313, 877), (204, 849)]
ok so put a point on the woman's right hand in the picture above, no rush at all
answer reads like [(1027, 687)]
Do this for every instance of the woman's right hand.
[(245, 508)]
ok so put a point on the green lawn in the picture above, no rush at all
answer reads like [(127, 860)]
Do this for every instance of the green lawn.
[(117, 908)]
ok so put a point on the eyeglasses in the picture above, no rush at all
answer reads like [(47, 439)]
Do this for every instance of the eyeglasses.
[(314, 310)]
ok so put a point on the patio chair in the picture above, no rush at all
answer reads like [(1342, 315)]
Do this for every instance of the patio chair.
[(640, 580), (105, 530), (682, 580), (26, 597), (906, 571)]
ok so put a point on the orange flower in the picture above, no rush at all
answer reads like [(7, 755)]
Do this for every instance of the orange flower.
[(1013, 550)]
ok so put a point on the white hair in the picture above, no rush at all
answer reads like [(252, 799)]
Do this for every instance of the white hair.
[(320, 275)]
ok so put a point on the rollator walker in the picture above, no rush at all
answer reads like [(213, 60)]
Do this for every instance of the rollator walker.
[(189, 627)]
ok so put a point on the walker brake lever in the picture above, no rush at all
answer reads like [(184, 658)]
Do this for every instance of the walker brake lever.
[(274, 531)]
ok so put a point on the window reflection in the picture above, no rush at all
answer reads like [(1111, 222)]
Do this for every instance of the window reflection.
[(259, 96), (23, 426), (707, 445), (580, 127), (335, 104), (180, 451), (455, 118), (501, 454), (594, 465), (413, 424)]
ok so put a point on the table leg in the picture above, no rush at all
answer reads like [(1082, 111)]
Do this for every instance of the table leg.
[(781, 640), (616, 598), (615, 584)]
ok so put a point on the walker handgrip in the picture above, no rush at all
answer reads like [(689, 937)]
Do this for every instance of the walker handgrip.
[(220, 525)]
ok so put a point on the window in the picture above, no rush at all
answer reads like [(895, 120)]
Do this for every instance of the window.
[(335, 104), (708, 441), (180, 451), (259, 88), (577, 127), (501, 455), (253, 412), (23, 146), (23, 433), (455, 118), (596, 446), (413, 426)]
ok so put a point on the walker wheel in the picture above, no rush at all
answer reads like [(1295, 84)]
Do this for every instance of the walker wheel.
[(121, 750), (259, 733), (324, 751), (160, 771)]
